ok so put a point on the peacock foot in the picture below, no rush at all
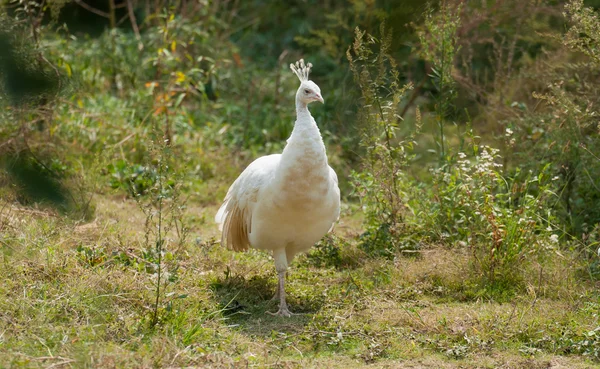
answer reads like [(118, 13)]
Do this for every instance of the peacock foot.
[(283, 311)]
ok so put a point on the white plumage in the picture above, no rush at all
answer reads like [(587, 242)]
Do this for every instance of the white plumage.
[(284, 202)]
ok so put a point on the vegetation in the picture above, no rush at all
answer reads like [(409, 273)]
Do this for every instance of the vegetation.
[(465, 136)]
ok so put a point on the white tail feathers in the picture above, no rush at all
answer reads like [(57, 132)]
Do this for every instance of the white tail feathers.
[(220, 217), (301, 70), (235, 226)]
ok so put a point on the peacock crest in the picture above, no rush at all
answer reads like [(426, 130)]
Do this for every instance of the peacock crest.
[(301, 70)]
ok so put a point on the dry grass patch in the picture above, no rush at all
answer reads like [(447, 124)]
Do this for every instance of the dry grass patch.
[(80, 293)]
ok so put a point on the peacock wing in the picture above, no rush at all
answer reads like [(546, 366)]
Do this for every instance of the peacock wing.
[(235, 215)]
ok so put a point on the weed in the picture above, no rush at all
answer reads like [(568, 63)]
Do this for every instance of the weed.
[(163, 209), (379, 184), (326, 253), (439, 44), (164, 231)]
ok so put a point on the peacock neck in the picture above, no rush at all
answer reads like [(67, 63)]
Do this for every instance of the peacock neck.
[(302, 113), (303, 160), (305, 127), (305, 143)]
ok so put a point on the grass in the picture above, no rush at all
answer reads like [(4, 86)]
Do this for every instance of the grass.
[(75, 297)]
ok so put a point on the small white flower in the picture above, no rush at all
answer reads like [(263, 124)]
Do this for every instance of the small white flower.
[(549, 229), (462, 155), (509, 132), (554, 238), (556, 178)]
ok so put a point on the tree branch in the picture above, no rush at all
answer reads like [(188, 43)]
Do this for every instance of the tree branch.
[(134, 25), (93, 10)]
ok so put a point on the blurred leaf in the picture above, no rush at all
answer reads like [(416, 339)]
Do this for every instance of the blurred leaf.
[(22, 77), (35, 182)]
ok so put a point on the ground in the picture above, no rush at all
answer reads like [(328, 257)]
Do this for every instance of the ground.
[(79, 294)]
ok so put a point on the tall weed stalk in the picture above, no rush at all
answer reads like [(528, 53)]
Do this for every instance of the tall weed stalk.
[(439, 44), (162, 203), (380, 181), (165, 232)]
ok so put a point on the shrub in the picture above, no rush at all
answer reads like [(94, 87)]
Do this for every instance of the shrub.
[(563, 132), (505, 221)]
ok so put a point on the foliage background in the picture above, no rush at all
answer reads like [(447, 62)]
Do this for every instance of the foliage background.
[(464, 133)]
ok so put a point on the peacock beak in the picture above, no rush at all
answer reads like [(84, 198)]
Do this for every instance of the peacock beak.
[(319, 98)]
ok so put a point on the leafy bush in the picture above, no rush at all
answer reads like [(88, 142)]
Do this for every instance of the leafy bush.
[(503, 221), (563, 133), (327, 252), (135, 179)]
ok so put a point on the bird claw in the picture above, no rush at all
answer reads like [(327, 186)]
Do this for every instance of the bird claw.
[(282, 312)]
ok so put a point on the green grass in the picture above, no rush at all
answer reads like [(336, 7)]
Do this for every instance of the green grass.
[(73, 298)]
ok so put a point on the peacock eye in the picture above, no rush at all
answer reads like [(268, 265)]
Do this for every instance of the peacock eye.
[(307, 91)]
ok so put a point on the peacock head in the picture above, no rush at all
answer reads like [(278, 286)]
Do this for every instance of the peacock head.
[(308, 90)]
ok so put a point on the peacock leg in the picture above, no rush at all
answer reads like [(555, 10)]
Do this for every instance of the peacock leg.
[(277, 293), (281, 267), (283, 308)]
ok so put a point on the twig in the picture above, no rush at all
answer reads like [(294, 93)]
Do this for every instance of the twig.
[(134, 25), (91, 9), (416, 93), (111, 14), (64, 362), (125, 139)]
